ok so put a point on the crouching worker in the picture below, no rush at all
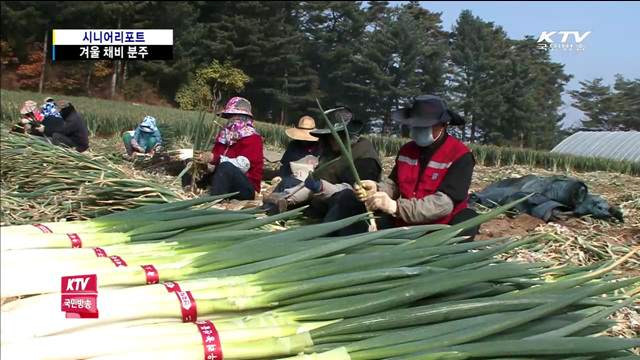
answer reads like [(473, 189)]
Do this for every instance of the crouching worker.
[(235, 163), (301, 155), (146, 139), (31, 116), (432, 175), (329, 194), (73, 131)]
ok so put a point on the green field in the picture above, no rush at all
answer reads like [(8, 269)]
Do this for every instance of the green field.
[(111, 118)]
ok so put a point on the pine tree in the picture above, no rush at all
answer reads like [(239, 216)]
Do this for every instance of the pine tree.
[(627, 103), (473, 75), (596, 101)]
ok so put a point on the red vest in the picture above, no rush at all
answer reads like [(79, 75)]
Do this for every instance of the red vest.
[(408, 164)]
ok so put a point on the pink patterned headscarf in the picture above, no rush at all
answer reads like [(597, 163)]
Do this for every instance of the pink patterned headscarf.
[(238, 127)]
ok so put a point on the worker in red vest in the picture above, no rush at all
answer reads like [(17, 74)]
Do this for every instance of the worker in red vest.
[(430, 181)]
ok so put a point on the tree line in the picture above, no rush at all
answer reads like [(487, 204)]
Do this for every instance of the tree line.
[(284, 55)]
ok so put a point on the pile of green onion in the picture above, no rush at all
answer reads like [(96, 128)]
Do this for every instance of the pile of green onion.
[(403, 293)]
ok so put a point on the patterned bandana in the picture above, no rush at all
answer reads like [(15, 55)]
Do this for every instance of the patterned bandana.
[(239, 127), (50, 109)]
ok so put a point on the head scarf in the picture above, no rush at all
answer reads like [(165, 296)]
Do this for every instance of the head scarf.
[(238, 127), (50, 109), (149, 124)]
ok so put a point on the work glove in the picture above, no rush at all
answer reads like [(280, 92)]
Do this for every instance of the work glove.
[(313, 185), (40, 127), (381, 201), (276, 180), (202, 157), (368, 187), (24, 121)]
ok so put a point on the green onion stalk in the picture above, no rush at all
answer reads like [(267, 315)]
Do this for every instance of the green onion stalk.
[(121, 220), (197, 259), (346, 153), (488, 317), (403, 332), (261, 259), (322, 310)]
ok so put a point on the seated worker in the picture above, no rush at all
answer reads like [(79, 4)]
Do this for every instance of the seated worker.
[(31, 115), (52, 120), (432, 175), (301, 155), (237, 158), (146, 139), (50, 108), (72, 133), (331, 197)]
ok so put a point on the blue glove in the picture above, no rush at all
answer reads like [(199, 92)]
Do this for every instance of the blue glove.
[(311, 184)]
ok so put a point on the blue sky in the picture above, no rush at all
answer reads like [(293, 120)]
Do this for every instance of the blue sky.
[(610, 48)]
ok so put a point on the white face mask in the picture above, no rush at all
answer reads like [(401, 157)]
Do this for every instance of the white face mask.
[(423, 136)]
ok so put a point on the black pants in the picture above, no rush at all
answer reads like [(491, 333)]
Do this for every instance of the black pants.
[(225, 179), (287, 183), (59, 139), (345, 204)]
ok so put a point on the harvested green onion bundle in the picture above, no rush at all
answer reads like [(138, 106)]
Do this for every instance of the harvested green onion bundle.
[(223, 287), (70, 185)]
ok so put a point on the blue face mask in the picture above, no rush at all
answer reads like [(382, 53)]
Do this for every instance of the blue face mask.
[(423, 136)]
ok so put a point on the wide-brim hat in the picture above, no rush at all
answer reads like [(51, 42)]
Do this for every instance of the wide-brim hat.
[(339, 117), (427, 111), (303, 130), (237, 106), (28, 106)]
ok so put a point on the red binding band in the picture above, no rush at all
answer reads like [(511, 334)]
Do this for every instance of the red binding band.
[(117, 260), (151, 273), (76, 242), (100, 252), (172, 286), (188, 306), (210, 340), (43, 228)]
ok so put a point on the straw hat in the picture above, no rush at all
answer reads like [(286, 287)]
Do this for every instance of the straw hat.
[(303, 130), (29, 106)]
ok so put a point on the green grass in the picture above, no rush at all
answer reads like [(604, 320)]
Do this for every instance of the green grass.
[(110, 118)]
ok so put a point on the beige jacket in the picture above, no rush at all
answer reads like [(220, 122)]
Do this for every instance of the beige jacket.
[(418, 211)]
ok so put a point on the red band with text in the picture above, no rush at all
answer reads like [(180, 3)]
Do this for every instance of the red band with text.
[(188, 305), (100, 252), (43, 228), (151, 273), (117, 260), (172, 286), (210, 340), (76, 242)]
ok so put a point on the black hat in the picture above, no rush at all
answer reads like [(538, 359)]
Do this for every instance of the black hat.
[(336, 117), (427, 110)]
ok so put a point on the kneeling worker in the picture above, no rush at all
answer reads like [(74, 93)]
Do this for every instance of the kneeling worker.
[(72, 133), (430, 181)]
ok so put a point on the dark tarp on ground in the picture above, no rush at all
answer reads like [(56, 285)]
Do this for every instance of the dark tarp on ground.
[(552, 195)]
